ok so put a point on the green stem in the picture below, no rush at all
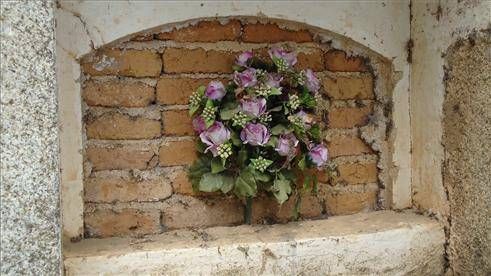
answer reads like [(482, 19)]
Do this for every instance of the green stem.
[(248, 210)]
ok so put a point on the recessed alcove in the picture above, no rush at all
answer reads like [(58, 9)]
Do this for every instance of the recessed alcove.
[(126, 142)]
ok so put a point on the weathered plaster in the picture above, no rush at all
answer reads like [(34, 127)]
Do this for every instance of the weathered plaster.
[(434, 27), (30, 225), (83, 26), (467, 142), (377, 243)]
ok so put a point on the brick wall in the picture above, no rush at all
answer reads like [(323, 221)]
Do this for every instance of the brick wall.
[(139, 139)]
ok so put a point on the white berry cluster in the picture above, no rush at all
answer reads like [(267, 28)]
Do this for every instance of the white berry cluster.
[(239, 119), (195, 98), (265, 118), (281, 64), (209, 113), (293, 101), (224, 150), (260, 163), (263, 90)]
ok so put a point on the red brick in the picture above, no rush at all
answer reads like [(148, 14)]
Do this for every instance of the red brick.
[(177, 153), (118, 189), (271, 33), (204, 31), (118, 94), (348, 117), (118, 158), (347, 145), (109, 223), (118, 126), (357, 173), (345, 202), (180, 60), (310, 60), (338, 61), (186, 211), (177, 90), (346, 88), (131, 63), (177, 122)]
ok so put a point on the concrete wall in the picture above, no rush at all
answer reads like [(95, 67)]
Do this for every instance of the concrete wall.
[(30, 218), (435, 26), (450, 124), (83, 26)]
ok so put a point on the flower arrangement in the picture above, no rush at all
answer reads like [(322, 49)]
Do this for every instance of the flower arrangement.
[(258, 133)]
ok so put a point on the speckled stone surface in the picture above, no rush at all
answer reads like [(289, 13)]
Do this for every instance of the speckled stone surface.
[(30, 224)]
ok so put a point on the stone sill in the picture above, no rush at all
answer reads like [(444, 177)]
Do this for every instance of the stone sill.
[(383, 242)]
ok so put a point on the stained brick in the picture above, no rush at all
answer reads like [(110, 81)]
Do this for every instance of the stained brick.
[(310, 60), (177, 153), (186, 211), (204, 31), (118, 94), (118, 158), (118, 126), (338, 61), (177, 90), (177, 122), (272, 33), (348, 117), (345, 88), (118, 189), (357, 173), (132, 63), (347, 145), (345, 202), (181, 183), (180, 60), (108, 223)]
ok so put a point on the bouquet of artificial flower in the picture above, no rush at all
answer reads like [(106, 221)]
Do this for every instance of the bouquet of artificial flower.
[(258, 133)]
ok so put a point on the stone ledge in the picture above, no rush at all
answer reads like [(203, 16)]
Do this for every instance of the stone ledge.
[(383, 242)]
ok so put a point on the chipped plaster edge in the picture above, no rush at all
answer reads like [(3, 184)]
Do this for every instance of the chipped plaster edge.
[(77, 20)]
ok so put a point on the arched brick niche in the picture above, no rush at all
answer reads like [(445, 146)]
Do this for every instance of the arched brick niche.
[(138, 138)]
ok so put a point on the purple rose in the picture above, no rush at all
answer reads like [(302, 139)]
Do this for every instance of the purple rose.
[(215, 90), (246, 78), (311, 81), (214, 136), (274, 80), (199, 124), (319, 155), (289, 57), (286, 145), (307, 119), (243, 58), (254, 107), (255, 134)]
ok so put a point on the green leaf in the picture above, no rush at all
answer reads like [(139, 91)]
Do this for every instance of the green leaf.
[(210, 182), (235, 139), (217, 166), (200, 167), (261, 176), (193, 109), (275, 109), (242, 158), (274, 91), (228, 184), (282, 190), (273, 141), (200, 146), (279, 129), (209, 103), (245, 184), (227, 114), (315, 133), (201, 90), (307, 99), (302, 162)]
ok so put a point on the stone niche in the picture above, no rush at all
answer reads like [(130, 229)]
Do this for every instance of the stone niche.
[(138, 137)]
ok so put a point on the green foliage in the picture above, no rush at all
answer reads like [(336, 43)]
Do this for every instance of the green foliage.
[(245, 184), (281, 189), (216, 182)]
